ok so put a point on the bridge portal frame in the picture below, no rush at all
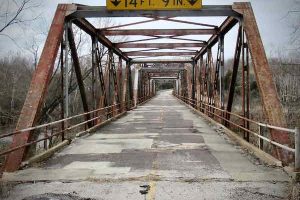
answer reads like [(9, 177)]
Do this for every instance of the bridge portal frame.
[(201, 77)]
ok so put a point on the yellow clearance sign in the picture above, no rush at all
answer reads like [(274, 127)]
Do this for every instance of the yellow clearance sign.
[(153, 4)]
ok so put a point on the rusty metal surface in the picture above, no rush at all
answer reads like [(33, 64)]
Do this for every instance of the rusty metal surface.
[(150, 32), (161, 61), (154, 54), (263, 74), (159, 45), (38, 88), (157, 37)]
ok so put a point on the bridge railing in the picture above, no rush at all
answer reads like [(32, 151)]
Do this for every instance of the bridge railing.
[(221, 114), (72, 125)]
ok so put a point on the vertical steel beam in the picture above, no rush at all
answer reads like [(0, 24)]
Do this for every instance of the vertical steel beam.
[(119, 77), (154, 87), (217, 92), (189, 82), (139, 86), (38, 88), (180, 84), (103, 99), (177, 87), (143, 84), (201, 80), (107, 82), (130, 87), (193, 80), (205, 78), (184, 83), (245, 85), (62, 114), (209, 78), (94, 67), (136, 86), (221, 71), (108, 78), (77, 69), (221, 75), (114, 79), (270, 100), (151, 87), (66, 72), (125, 87), (197, 83)]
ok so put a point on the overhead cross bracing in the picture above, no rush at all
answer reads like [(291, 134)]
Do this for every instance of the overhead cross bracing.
[(148, 42), (149, 45)]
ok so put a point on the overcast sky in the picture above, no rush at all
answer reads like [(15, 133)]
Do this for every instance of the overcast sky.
[(272, 17)]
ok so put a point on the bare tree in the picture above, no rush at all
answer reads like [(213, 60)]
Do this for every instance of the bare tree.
[(33, 48), (16, 72), (16, 12), (294, 14)]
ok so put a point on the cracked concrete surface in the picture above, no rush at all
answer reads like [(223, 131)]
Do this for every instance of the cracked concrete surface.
[(161, 144)]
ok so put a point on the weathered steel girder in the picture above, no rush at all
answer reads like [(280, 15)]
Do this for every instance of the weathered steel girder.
[(263, 75), (183, 61), (80, 11), (155, 54), (160, 45), (38, 87), (149, 32)]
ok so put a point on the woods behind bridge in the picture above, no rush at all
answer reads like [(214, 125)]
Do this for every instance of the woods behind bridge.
[(16, 71)]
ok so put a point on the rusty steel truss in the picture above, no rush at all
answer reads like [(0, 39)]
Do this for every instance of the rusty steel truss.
[(198, 74)]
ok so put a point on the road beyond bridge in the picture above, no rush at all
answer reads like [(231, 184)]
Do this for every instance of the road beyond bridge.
[(161, 144)]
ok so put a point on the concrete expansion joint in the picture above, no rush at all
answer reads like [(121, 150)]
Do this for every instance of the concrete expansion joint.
[(148, 179)]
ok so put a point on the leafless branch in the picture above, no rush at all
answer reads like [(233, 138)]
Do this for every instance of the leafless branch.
[(16, 17)]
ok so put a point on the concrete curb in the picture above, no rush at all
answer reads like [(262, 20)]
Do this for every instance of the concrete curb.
[(294, 175), (48, 153), (145, 101), (140, 104), (270, 160)]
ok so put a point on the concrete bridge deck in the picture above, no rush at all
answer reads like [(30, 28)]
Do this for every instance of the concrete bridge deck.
[(161, 144)]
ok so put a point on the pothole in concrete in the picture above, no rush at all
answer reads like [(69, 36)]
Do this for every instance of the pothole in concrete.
[(195, 131), (52, 196)]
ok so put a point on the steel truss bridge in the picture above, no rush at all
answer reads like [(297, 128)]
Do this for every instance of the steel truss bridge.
[(127, 77)]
